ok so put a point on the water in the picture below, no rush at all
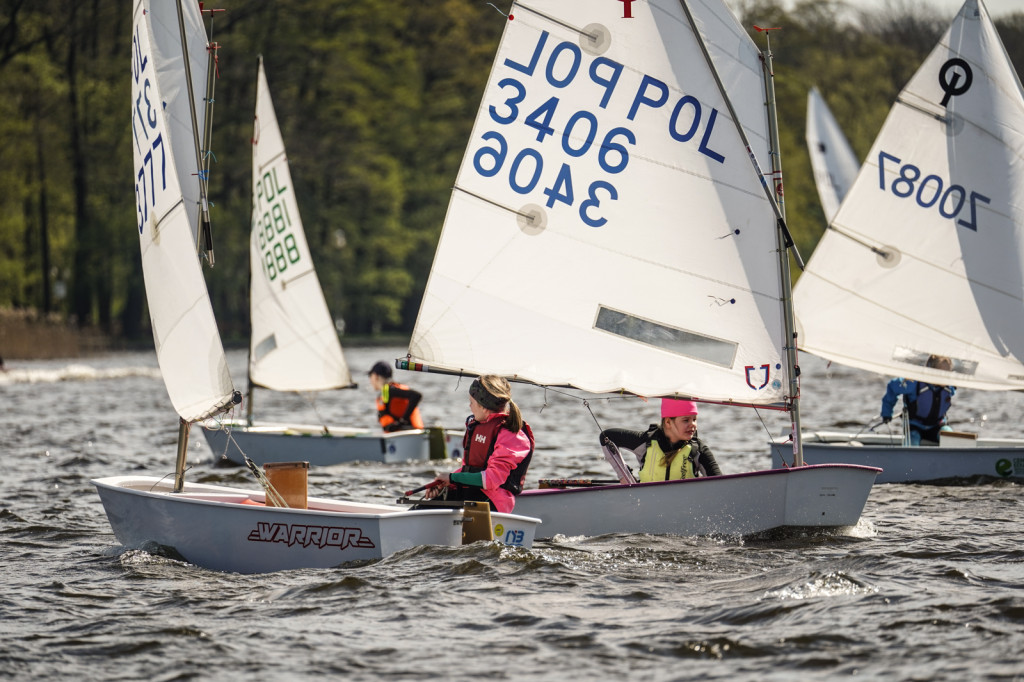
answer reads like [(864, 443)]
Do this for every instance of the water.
[(928, 586)]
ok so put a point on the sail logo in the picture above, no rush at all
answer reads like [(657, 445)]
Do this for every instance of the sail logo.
[(310, 536), (1007, 468), (627, 8), (950, 75), (755, 380)]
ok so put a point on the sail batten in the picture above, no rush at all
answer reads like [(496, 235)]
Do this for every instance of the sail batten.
[(941, 194)]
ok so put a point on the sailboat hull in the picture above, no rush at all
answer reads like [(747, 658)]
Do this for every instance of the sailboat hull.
[(296, 442), (824, 497), (229, 529), (995, 458)]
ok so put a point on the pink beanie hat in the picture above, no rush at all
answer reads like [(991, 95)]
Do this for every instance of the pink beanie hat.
[(671, 407)]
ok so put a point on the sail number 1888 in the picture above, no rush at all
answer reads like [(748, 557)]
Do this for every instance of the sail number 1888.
[(931, 191)]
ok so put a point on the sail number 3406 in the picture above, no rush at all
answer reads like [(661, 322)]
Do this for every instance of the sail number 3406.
[(930, 191), (527, 166)]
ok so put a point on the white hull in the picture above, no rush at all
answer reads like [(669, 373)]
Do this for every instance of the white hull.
[(290, 442), (997, 458), (220, 528), (744, 504)]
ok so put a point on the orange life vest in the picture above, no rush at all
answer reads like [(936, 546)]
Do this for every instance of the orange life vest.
[(390, 410)]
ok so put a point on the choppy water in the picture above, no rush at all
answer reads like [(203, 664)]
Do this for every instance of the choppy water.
[(928, 587)]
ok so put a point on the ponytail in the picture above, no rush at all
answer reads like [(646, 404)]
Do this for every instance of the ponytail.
[(502, 390)]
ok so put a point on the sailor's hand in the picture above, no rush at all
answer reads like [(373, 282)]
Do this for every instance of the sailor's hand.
[(437, 486), (886, 420)]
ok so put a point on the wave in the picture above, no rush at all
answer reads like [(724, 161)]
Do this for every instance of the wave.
[(74, 372)]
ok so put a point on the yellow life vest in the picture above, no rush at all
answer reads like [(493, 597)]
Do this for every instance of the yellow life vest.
[(657, 468)]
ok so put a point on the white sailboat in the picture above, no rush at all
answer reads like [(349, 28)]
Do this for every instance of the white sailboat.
[(216, 527), (926, 255), (608, 232), (294, 345), (833, 162)]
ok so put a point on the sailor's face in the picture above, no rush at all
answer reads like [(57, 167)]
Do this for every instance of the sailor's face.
[(478, 411), (681, 428)]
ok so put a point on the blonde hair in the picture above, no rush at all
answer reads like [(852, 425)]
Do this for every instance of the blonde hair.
[(501, 389)]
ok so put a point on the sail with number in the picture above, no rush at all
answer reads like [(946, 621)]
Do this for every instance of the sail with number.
[(168, 196), (607, 230), (294, 344), (926, 253), (833, 162)]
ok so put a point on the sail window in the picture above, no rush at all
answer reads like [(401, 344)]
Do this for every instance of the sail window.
[(909, 356), (672, 339)]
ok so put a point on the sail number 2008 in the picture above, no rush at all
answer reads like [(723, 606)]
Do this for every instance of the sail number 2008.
[(928, 191)]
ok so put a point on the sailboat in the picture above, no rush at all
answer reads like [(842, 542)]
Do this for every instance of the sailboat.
[(833, 162), (926, 256), (610, 230), (218, 527), (293, 345)]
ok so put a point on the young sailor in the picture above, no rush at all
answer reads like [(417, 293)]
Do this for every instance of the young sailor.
[(669, 450), (498, 447), (926, 404), (397, 404)]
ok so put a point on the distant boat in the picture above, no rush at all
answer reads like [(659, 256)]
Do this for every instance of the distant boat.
[(294, 345), (834, 164), (926, 256), (608, 232), (218, 527)]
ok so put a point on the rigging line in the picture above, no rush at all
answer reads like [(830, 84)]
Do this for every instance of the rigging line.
[(592, 36), (310, 399)]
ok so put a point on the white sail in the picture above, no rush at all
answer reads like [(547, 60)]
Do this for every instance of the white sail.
[(834, 164), (294, 343), (166, 37), (607, 230), (925, 255), (187, 341)]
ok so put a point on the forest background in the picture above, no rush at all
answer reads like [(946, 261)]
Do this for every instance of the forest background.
[(376, 100)]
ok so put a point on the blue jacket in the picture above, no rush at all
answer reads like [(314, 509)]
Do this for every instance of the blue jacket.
[(927, 403)]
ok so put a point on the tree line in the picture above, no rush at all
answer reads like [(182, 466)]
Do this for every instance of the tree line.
[(376, 100)]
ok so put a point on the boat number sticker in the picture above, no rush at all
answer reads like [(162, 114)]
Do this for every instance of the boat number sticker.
[(930, 191), (150, 152), (536, 91), (955, 78), (271, 225)]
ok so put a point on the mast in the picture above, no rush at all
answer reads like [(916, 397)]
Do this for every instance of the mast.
[(789, 322), (204, 208), (784, 239)]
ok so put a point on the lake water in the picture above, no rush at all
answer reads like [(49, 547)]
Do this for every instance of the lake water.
[(930, 585)]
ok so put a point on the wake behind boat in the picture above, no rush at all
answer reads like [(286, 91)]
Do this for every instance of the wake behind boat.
[(926, 255), (294, 345), (216, 527), (609, 232)]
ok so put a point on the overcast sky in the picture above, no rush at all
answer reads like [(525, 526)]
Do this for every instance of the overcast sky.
[(946, 8)]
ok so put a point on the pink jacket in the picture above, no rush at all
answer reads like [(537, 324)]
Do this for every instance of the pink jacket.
[(509, 450)]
